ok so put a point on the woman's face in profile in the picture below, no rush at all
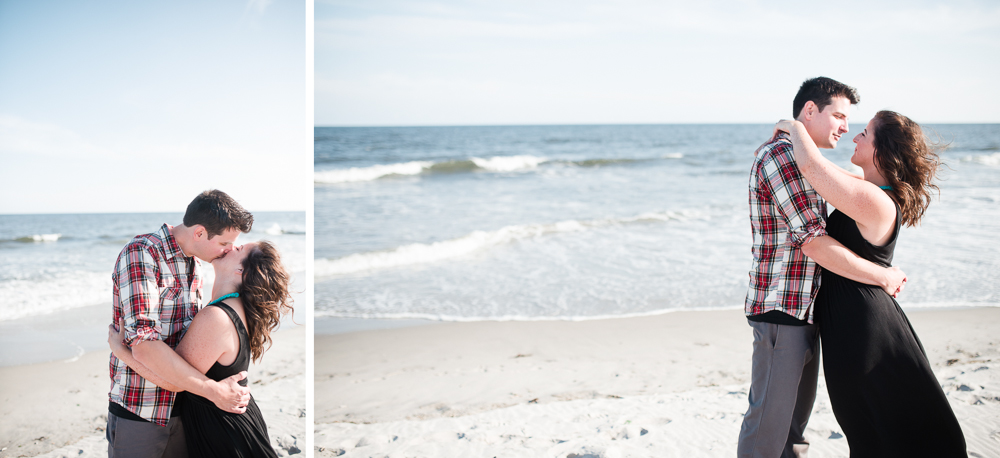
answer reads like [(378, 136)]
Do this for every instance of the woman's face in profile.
[(864, 149)]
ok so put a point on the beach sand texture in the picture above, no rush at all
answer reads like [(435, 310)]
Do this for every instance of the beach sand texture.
[(667, 385), (59, 409)]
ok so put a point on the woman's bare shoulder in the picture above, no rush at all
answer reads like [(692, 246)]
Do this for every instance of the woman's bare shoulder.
[(209, 322)]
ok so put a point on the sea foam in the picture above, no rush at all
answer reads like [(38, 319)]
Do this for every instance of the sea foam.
[(40, 238), (26, 297), (421, 253), (508, 163), (473, 319), (985, 159), (374, 172), (356, 174)]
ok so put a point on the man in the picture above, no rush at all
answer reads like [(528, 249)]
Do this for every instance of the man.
[(788, 219), (157, 292)]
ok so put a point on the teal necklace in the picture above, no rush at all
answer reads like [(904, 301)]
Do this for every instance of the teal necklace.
[(227, 296), (887, 188)]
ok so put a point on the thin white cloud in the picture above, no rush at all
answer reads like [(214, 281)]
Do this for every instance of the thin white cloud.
[(22, 137), (458, 28), (257, 6)]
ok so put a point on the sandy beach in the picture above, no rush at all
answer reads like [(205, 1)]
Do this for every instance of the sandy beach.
[(667, 385), (59, 409)]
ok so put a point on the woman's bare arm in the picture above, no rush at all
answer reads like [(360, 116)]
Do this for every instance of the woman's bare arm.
[(227, 394), (863, 201)]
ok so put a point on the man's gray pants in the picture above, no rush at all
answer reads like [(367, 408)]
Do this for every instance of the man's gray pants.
[(782, 391), (143, 439)]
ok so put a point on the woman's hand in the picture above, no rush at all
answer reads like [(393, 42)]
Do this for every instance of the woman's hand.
[(785, 125), (895, 281), (782, 126), (116, 337)]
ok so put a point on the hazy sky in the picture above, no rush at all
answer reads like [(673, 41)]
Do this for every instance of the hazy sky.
[(388, 62), (124, 106)]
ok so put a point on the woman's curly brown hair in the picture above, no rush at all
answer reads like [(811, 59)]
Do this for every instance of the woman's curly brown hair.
[(265, 295), (909, 162)]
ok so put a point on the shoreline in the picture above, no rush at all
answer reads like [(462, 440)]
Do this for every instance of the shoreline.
[(665, 385), (59, 408), (332, 325), (57, 336)]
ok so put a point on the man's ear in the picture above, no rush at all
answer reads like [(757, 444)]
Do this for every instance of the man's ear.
[(809, 110), (199, 231)]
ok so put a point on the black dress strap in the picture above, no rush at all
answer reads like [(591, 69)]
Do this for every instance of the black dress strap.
[(242, 362), (232, 314)]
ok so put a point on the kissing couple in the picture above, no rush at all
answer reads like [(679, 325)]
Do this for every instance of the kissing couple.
[(179, 370)]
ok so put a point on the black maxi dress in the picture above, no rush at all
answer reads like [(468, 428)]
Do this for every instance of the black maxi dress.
[(211, 432), (882, 389)]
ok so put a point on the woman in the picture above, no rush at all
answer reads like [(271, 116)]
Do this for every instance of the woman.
[(251, 288), (882, 389)]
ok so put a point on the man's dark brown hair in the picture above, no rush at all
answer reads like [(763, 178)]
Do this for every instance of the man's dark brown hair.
[(821, 90), (217, 212)]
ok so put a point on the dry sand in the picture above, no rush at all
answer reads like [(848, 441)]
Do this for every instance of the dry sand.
[(59, 409), (670, 385)]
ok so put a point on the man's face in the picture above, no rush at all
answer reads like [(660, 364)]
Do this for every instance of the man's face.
[(209, 249), (826, 126)]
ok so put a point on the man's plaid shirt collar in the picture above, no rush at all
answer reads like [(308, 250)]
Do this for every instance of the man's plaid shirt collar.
[(170, 246)]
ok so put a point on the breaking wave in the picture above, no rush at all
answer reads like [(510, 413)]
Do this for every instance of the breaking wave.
[(423, 253)]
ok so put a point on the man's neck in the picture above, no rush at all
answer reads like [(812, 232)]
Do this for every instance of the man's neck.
[(181, 234)]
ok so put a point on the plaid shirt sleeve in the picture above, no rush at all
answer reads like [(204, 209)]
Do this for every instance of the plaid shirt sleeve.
[(785, 213), (152, 295), (795, 199), (137, 276)]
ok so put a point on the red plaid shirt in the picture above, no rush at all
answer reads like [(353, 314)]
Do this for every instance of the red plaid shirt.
[(157, 290), (785, 213)]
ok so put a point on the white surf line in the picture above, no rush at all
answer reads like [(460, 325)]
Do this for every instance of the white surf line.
[(491, 164), (424, 253), (508, 163), (79, 354), (357, 174), (985, 159)]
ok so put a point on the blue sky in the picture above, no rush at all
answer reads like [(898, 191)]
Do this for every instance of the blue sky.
[(120, 106), (393, 62)]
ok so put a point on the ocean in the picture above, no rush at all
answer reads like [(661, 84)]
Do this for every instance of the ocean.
[(55, 275), (589, 222)]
